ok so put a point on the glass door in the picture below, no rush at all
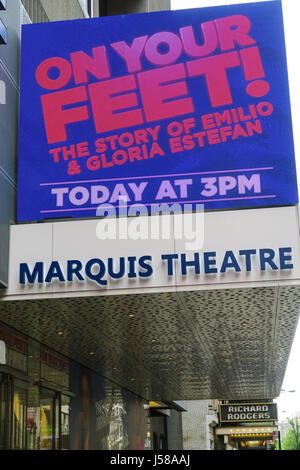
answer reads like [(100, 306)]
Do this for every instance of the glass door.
[(19, 414), (47, 419), (44, 425), (50, 419), (13, 412)]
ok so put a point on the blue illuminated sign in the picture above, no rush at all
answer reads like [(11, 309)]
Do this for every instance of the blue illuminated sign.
[(187, 106)]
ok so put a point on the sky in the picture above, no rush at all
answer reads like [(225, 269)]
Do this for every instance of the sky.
[(288, 402)]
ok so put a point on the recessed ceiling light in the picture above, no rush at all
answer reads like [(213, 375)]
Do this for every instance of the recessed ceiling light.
[(131, 315), (244, 323), (92, 353), (59, 332), (153, 340)]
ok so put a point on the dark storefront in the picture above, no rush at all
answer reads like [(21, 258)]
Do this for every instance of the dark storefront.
[(48, 402), (105, 416)]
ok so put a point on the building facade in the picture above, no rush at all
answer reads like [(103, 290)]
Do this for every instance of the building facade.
[(198, 424), (129, 343), (38, 386)]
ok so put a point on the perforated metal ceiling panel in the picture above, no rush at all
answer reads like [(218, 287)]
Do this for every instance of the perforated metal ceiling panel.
[(225, 344)]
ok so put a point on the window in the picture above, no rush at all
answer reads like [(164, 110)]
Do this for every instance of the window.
[(54, 420), (86, 6), (65, 422), (19, 415), (103, 8), (3, 33)]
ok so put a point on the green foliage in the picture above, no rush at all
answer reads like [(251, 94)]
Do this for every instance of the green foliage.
[(291, 440)]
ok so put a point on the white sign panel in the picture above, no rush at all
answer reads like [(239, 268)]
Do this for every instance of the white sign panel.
[(220, 249)]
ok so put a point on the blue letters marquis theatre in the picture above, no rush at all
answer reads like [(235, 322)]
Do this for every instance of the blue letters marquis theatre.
[(187, 106), (75, 270)]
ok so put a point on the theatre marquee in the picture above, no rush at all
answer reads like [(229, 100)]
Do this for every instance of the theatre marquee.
[(242, 412)]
